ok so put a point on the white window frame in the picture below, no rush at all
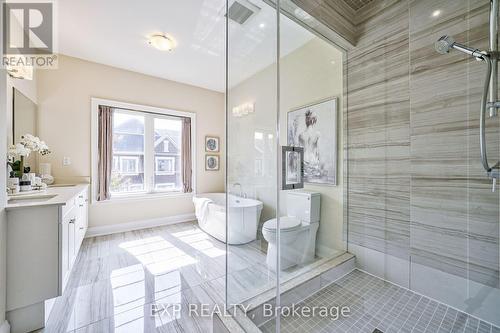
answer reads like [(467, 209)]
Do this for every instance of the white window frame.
[(116, 163), (135, 159), (165, 173), (148, 149), (171, 185)]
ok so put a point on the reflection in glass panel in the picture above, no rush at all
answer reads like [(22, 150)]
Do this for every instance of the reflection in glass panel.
[(310, 73), (251, 149)]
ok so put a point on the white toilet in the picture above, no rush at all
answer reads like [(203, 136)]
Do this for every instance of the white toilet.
[(297, 231)]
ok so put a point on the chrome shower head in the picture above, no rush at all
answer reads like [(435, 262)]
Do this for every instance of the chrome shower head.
[(444, 44)]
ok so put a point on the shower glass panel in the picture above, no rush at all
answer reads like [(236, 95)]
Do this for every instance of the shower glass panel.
[(311, 100), (284, 98), (252, 154), (454, 215), (400, 185), (311, 105), (420, 208)]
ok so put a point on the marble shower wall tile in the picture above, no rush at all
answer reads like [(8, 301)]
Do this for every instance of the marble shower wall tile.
[(454, 214), (379, 138), (416, 189), (335, 14)]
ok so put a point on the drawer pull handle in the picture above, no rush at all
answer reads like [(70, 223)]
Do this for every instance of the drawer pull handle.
[(81, 205), (81, 228)]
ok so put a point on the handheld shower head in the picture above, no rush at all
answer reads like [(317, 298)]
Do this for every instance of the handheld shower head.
[(446, 43)]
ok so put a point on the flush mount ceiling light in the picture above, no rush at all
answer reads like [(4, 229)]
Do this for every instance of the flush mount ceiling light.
[(162, 42), (436, 13)]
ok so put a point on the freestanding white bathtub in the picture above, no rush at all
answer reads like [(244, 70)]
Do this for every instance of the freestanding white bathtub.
[(243, 214)]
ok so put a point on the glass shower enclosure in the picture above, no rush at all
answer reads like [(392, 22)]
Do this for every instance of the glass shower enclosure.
[(284, 148), (385, 134)]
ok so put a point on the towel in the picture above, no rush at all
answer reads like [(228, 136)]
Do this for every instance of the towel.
[(201, 208)]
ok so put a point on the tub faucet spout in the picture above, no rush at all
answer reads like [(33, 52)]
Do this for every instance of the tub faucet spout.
[(241, 189)]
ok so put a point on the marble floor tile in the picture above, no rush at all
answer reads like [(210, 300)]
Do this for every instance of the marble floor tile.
[(117, 279)]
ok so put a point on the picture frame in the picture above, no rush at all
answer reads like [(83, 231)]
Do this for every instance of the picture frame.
[(314, 128), (212, 144), (212, 162)]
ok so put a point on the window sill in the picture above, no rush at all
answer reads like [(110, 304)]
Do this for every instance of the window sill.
[(138, 197)]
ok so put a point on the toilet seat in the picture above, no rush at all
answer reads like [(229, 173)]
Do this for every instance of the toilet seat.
[(287, 223)]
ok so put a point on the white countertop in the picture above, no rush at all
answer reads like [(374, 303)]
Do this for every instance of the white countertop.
[(62, 195)]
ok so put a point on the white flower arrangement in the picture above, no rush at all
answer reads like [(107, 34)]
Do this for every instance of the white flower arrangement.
[(33, 143), (18, 152)]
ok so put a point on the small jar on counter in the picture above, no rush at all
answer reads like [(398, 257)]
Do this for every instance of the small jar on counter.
[(25, 185)]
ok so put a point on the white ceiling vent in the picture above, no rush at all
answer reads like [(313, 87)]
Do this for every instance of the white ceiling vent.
[(241, 10)]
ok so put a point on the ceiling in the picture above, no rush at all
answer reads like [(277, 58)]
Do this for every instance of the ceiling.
[(357, 4), (112, 33)]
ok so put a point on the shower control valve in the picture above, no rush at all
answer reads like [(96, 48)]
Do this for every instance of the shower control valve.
[(494, 174), (493, 107)]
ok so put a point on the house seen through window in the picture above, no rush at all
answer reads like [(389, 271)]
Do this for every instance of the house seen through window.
[(146, 152)]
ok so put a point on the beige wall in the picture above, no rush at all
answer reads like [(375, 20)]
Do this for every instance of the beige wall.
[(64, 98), (307, 75), (3, 199)]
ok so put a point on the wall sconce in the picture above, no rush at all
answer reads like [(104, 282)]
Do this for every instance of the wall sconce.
[(243, 109)]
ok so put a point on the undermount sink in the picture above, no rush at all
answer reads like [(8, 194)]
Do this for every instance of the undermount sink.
[(35, 198), (62, 185)]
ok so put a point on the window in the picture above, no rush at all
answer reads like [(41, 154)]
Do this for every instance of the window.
[(129, 165), (127, 174), (165, 165), (165, 186), (147, 155), (166, 146)]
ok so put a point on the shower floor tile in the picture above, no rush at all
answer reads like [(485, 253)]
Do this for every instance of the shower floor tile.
[(379, 305)]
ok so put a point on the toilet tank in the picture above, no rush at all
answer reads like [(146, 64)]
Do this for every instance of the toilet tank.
[(303, 205)]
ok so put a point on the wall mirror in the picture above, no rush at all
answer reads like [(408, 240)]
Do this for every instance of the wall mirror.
[(24, 120)]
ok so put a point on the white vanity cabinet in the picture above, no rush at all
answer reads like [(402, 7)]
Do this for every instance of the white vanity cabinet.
[(72, 229), (43, 240)]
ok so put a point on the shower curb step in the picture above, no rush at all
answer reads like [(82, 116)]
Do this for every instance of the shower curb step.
[(292, 291), (303, 286)]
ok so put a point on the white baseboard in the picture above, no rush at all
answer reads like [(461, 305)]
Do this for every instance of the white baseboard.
[(136, 225), (5, 327)]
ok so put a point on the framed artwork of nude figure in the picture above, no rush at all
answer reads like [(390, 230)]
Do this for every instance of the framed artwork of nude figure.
[(314, 128)]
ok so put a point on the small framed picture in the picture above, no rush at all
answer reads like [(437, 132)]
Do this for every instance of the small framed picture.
[(212, 163), (212, 144)]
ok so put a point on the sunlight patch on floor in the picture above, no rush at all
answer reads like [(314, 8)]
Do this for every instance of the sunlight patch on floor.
[(200, 241)]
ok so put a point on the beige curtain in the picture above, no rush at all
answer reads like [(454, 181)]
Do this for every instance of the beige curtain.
[(105, 151), (186, 158)]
